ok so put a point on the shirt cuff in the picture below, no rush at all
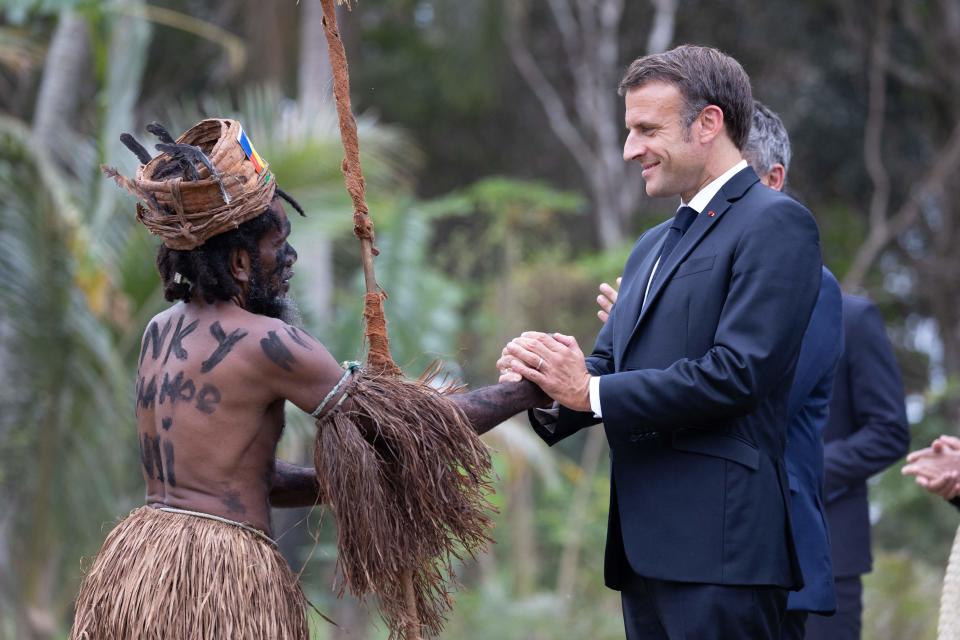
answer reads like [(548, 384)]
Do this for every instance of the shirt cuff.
[(595, 396)]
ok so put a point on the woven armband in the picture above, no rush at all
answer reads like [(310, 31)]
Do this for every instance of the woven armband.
[(351, 367)]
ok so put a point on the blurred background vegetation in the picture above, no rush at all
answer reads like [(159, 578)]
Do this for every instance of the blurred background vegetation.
[(490, 134)]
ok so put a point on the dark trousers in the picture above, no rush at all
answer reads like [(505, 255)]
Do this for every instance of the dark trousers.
[(664, 610), (794, 625), (845, 623)]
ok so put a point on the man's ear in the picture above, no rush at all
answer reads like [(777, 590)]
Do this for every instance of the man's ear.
[(240, 267), (776, 177), (711, 123)]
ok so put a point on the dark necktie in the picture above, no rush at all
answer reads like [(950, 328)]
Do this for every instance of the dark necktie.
[(681, 222)]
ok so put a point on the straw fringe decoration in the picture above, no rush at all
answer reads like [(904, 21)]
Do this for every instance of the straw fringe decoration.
[(948, 628), (407, 481), (164, 575)]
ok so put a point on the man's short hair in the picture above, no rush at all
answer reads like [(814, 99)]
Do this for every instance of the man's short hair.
[(704, 76), (768, 142)]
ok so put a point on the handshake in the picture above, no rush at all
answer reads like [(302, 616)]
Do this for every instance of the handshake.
[(554, 362)]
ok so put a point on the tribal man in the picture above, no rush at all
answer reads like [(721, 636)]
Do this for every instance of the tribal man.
[(215, 369)]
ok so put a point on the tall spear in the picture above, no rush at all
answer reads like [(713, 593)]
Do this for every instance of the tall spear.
[(379, 356), (403, 470)]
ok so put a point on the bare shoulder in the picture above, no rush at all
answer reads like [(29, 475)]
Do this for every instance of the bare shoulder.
[(283, 345), (293, 362)]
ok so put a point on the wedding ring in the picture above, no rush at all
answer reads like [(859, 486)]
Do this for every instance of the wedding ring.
[(540, 364)]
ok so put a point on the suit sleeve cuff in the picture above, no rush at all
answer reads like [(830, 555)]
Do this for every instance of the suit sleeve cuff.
[(547, 418), (595, 396)]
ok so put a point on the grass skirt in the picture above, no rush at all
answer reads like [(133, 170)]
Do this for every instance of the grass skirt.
[(949, 625), (175, 576)]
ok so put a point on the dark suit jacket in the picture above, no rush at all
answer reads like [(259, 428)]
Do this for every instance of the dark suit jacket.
[(866, 433), (808, 409), (694, 390)]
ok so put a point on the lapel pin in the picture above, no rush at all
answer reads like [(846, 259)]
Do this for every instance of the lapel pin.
[(711, 213)]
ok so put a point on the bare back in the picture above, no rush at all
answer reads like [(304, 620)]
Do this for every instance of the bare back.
[(211, 386)]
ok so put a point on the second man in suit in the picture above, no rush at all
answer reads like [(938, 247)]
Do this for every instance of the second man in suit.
[(867, 432)]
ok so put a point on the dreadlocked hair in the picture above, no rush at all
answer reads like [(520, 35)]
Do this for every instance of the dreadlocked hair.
[(293, 203), (205, 271)]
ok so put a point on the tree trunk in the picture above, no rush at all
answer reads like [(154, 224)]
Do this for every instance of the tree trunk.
[(315, 80), (64, 72), (264, 30), (588, 125), (662, 26)]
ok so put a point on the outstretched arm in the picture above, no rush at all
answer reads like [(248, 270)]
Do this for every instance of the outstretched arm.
[(489, 406), (302, 371), (293, 486)]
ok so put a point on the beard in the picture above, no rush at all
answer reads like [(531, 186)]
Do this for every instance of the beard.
[(270, 300)]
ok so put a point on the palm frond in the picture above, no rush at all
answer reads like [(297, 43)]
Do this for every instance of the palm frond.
[(63, 380)]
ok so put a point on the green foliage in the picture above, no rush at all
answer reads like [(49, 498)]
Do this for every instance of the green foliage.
[(554, 521), (64, 399), (422, 307), (841, 231), (901, 598), (488, 233), (66, 322), (494, 612), (403, 38), (517, 219), (491, 609), (18, 53)]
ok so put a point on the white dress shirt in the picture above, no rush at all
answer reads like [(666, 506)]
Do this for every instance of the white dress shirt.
[(697, 203)]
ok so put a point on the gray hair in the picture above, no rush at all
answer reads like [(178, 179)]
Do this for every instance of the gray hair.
[(768, 142)]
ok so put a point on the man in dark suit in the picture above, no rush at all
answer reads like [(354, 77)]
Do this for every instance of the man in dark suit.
[(691, 375), (768, 152), (866, 433)]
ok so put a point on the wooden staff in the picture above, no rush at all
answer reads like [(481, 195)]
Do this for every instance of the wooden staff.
[(378, 357)]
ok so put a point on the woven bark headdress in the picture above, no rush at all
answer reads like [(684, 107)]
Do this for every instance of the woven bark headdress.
[(209, 180)]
